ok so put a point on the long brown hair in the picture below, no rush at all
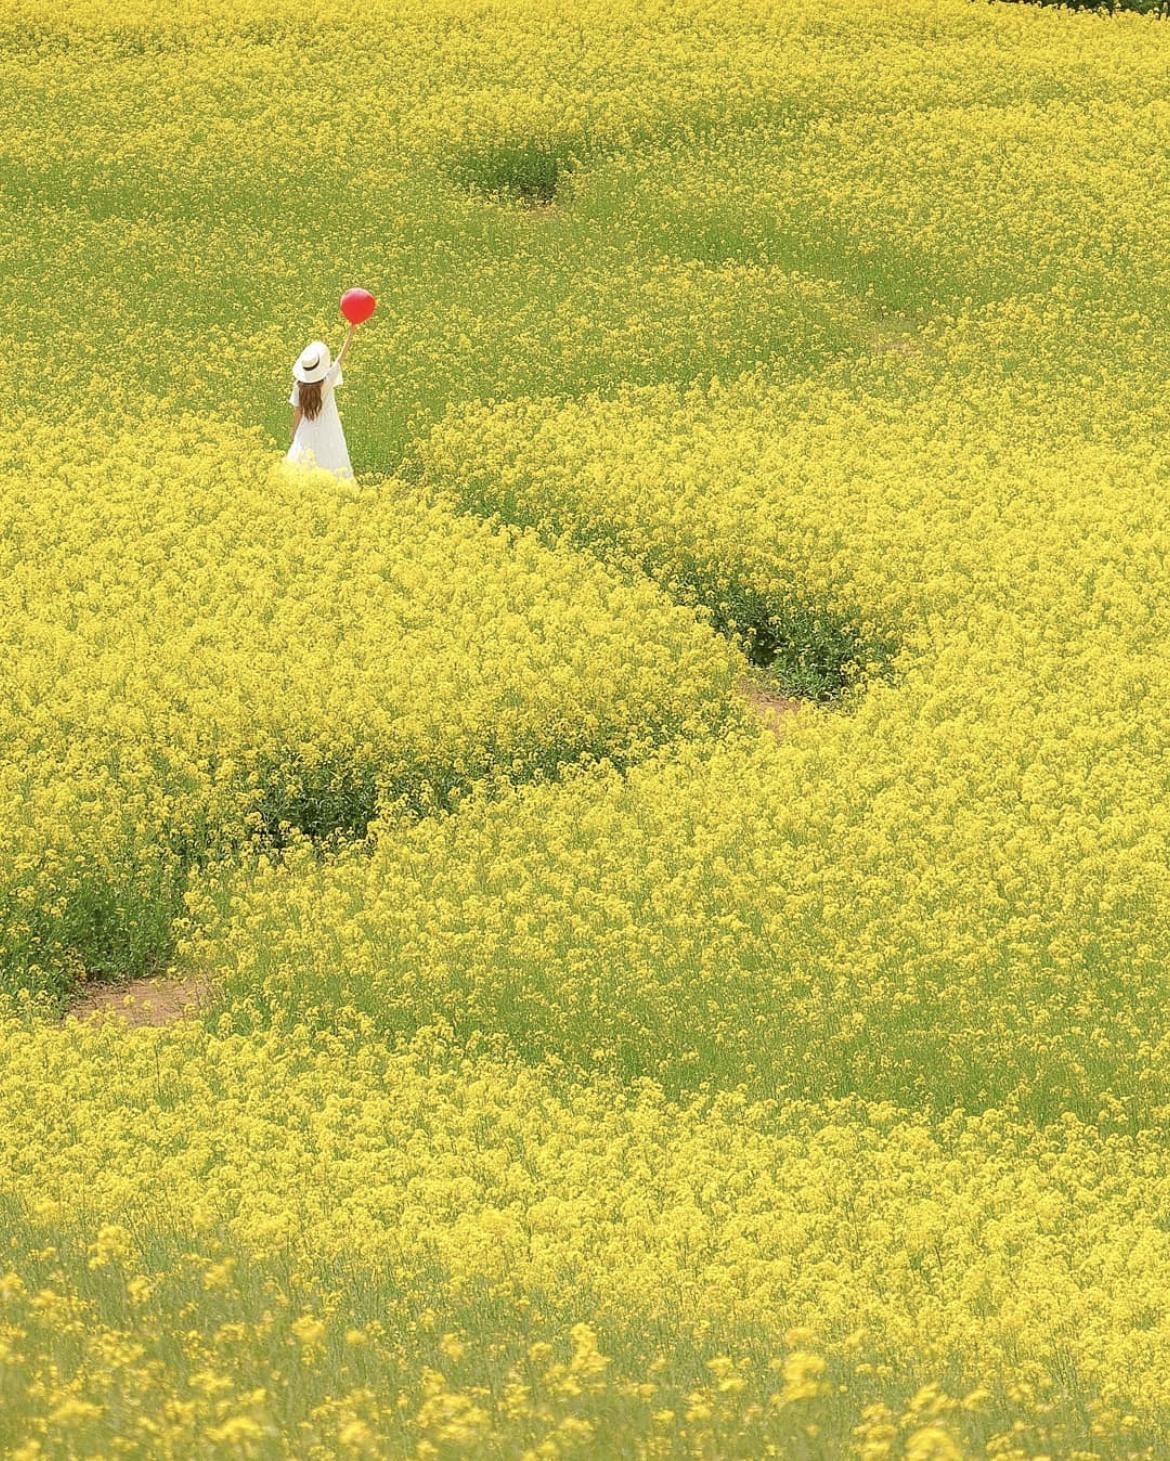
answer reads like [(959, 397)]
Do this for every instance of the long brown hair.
[(309, 398)]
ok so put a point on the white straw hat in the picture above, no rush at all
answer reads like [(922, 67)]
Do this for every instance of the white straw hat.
[(313, 362)]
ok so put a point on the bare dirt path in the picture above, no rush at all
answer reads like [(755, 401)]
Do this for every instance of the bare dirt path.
[(886, 331), (142, 1001), (769, 705)]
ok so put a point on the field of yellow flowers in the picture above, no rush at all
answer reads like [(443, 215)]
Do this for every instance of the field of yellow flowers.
[(589, 1066)]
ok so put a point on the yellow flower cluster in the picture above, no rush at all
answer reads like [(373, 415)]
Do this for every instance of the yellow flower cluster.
[(808, 919), (317, 1246), (205, 647), (587, 1070)]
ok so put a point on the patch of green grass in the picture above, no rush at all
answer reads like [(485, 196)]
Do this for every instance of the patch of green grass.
[(530, 171)]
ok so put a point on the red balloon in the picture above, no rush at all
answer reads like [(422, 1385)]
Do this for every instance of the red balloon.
[(357, 305)]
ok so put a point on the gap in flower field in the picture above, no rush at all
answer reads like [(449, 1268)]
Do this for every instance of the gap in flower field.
[(530, 172), (797, 649), (809, 652), (142, 1002)]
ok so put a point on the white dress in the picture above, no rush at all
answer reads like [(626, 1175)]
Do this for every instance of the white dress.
[(321, 442)]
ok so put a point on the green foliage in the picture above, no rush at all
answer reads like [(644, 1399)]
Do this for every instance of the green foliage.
[(1110, 7), (529, 171)]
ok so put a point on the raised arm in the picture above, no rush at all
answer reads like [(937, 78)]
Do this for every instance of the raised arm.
[(345, 345)]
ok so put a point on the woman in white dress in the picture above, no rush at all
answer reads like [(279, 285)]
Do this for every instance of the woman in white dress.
[(318, 440)]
